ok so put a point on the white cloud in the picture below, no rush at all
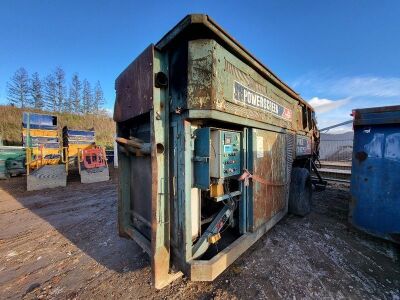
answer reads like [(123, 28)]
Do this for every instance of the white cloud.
[(350, 86), (323, 105), (360, 86), (352, 92), (332, 112)]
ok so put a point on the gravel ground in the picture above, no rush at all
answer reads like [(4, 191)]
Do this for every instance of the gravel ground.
[(63, 244)]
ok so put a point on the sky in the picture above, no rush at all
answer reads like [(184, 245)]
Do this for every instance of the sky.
[(339, 55)]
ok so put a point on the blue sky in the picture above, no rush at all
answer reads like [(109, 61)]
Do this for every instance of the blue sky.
[(338, 55)]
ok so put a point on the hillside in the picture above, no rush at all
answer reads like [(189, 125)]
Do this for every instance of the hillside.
[(11, 120)]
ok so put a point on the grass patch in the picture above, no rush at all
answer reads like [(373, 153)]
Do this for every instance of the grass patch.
[(11, 125)]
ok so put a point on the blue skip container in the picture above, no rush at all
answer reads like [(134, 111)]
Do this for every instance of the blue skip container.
[(375, 176)]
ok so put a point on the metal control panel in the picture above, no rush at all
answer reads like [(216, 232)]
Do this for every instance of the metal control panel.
[(225, 153)]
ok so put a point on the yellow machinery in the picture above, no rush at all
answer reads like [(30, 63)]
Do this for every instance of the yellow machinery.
[(40, 152), (46, 165), (48, 159), (91, 159)]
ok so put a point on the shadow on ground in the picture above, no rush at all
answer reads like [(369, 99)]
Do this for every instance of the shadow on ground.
[(59, 225), (63, 243)]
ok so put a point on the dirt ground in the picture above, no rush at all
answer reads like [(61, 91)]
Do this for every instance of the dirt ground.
[(63, 244)]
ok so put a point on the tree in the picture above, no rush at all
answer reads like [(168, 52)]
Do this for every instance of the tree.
[(68, 107), (87, 98), (36, 91), (59, 76), (18, 88), (50, 93), (98, 99), (75, 94)]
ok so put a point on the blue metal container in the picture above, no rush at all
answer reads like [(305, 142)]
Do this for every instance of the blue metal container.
[(375, 179)]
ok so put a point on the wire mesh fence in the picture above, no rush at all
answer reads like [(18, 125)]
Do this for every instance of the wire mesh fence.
[(335, 153), (336, 147), (336, 150)]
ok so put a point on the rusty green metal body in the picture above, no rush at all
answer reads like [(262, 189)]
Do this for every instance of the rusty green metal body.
[(194, 100)]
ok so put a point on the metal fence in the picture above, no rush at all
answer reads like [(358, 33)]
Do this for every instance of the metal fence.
[(336, 147), (335, 155), (336, 150)]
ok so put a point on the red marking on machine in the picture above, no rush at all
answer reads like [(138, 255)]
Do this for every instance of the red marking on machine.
[(93, 158)]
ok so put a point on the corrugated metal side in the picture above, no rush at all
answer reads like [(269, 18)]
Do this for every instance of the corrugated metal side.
[(290, 155)]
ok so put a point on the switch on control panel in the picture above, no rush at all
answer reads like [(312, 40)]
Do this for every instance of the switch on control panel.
[(225, 154)]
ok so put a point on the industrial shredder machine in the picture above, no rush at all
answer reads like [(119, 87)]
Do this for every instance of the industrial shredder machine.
[(213, 150)]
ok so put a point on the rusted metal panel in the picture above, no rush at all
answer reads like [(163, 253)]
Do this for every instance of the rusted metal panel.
[(218, 80), (189, 27), (200, 75), (381, 109), (269, 164), (134, 87), (377, 115)]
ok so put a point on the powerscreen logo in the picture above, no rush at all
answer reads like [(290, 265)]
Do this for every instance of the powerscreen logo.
[(251, 98)]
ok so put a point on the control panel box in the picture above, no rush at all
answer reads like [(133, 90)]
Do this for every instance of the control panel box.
[(225, 153)]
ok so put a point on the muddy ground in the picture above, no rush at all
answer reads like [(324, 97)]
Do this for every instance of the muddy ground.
[(63, 244)]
